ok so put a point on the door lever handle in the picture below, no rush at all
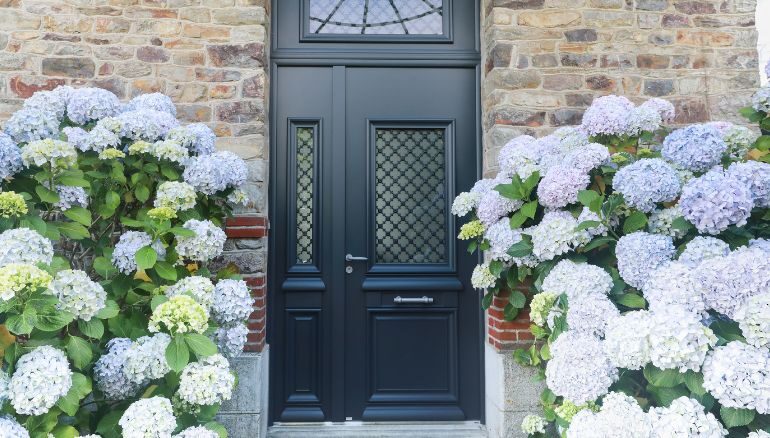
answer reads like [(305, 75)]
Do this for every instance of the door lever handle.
[(352, 258), (421, 300)]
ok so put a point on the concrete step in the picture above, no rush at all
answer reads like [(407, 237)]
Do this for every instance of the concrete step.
[(353, 429)]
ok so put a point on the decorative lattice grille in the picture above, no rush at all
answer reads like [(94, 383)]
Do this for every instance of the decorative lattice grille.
[(383, 17), (305, 177), (410, 201)]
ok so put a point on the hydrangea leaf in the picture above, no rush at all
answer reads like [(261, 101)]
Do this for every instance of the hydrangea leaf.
[(109, 310), (662, 378), (635, 222), (79, 215), (201, 345), (177, 353), (486, 301), (79, 351), (65, 431), (735, 417), (218, 428), (81, 387), (93, 329), (631, 300), (694, 382), (73, 230), (165, 270), (146, 257), (47, 195)]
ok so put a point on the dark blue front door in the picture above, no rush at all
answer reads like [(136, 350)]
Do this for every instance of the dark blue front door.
[(372, 316)]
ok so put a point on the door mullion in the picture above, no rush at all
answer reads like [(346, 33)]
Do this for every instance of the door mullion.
[(336, 342)]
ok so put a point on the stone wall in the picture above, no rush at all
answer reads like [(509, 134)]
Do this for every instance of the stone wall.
[(208, 55), (545, 61)]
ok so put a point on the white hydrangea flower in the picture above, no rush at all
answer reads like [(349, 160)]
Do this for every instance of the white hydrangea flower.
[(231, 340), (109, 372), (570, 138), (55, 153), (640, 253), (482, 277), (519, 156), (556, 234), (619, 417), (78, 294), (672, 285), (678, 339), (758, 434), (643, 119), (91, 103), (685, 417), (588, 215), (41, 378), (232, 302), (560, 186), (753, 318), (540, 308), (146, 124), (129, 243), (464, 203), (577, 280), (99, 139), (738, 375), (169, 150), (701, 248), (579, 370), (501, 237), (208, 242), (70, 197), (146, 358), (728, 282), (215, 172), (492, 205), (9, 428), (589, 313), (199, 288), (588, 157), (626, 340), (148, 418), (197, 432), (532, 424), (197, 137), (22, 245), (206, 382), (175, 195), (238, 197), (739, 140), (661, 221)]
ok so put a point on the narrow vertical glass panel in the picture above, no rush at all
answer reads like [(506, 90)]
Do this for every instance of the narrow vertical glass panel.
[(377, 17), (304, 203), (410, 195)]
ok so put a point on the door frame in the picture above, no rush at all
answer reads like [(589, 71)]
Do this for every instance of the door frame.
[(353, 56)]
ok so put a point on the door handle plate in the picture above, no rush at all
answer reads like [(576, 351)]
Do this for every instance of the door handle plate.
[(421, 300)]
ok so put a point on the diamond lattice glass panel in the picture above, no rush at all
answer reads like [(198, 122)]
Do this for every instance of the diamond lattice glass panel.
[(377, 17), (305, 159), (410, 201)]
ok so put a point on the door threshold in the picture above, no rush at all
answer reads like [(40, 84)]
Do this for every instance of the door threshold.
[(361, 429)]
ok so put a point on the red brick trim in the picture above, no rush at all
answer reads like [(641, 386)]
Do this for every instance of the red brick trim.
[(507, 335), (246, 227)]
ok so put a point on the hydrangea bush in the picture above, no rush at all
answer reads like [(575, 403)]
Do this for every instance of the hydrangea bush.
[(642, 254), (113, 324)]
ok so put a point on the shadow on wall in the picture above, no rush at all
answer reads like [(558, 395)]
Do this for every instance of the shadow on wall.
[(763, 29)]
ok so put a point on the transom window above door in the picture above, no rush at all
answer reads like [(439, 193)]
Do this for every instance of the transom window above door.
[(425, 18)]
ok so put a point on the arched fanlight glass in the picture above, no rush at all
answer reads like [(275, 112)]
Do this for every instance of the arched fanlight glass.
[(377, 17)]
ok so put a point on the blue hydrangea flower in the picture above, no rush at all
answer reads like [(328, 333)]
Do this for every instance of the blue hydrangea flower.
[(560, 186), (571, 138), (647, 182), (767, 69), (587, 157), (10, 157), (519, 157), (643, 119), (215, 172), (152, 101), (549, 150), (197, 137), (761, 100), (639, 254), (146, 124), (714, 201), (663, 107), (31, 124), (87, 104), (696, 147), (608, 115), (76, 137), (756, 176)]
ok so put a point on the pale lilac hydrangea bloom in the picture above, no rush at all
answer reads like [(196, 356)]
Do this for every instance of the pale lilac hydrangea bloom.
[(556, 234), (128, 244), (492, 205), (661, 221), (146, 124), (756, 176), (549, 148), (579, 370), (673, 285), (231, 340), (716, 200), (643, 119), (560, 186), (685, 417), (232, 302), (570, 138), (519, 156), (647, 182), (587, 215), (39, 117), (76, 137), (197, 137), (501, 237), (626, 339), (152, 101), (208, 242), (663, 107), (727, 282), (108, 371), (738, 375), (701, 248), (11, 429), (577, 279), (70, 196), (23, 245), (216, 172), (10, 157), (589, 313), (678, 339), (41, 378), (608, 115), (99, 139), (587, 157), (697, 147), (640, 253), (760, 101), (88, 104), (619, 417)]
